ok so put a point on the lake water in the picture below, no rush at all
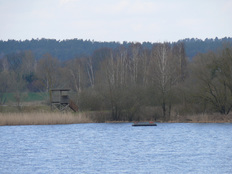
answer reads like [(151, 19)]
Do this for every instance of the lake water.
[(116, 148)]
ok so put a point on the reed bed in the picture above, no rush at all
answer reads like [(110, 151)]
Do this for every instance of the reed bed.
[(48, 118), (203, 118), (43, 118)]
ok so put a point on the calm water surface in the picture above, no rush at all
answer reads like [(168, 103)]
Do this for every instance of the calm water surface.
[(116, 148)]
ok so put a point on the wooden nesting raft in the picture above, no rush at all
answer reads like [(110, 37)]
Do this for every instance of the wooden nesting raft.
[(60, 100)]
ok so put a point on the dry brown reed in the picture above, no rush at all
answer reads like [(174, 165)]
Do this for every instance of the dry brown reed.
[(43, 118), (47, 118), (203, 118)]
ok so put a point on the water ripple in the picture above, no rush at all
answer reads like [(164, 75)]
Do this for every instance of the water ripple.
[(116, 148)]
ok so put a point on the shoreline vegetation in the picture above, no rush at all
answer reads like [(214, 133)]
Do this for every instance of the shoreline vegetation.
[(53, 118), (40, 113), (125, 85), (46, 118), (120, 84)]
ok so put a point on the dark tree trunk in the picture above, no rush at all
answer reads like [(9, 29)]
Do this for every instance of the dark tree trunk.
[(164, 110)]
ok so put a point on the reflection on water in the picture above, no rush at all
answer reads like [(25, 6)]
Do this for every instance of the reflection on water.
[(116, 148)]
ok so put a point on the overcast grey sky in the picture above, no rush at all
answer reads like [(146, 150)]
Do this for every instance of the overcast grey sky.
[(115, 20)]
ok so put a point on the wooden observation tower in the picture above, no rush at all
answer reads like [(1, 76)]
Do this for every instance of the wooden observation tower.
[(60, 100)]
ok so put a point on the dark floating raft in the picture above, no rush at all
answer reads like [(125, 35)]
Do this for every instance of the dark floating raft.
[(144, 124)]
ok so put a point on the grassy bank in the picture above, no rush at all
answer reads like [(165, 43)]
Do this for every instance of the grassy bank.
[(48, 118), (38, 113), (202, 118), (42, 118)]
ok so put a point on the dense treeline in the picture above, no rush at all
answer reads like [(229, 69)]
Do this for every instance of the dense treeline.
[(131, 81), (63, 50), (69, 49)]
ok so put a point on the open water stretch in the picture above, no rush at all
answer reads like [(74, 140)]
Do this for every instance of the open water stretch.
[(116, 148)]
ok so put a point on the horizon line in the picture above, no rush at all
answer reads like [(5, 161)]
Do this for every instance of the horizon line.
[(121, 42)]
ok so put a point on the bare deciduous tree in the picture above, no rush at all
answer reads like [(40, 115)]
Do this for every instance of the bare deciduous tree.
[(28, 63), (166, 74), (213, 74), (90, 71), (47, 71), (134, 58)]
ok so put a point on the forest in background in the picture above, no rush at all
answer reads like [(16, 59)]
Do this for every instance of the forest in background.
[(132, 80), (77, 48)]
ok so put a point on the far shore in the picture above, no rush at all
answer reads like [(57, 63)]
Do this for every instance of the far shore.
[(52, 118)]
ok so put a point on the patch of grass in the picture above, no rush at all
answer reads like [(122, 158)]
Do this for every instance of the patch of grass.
[(26, 107), (34, 96), (27, 97)]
